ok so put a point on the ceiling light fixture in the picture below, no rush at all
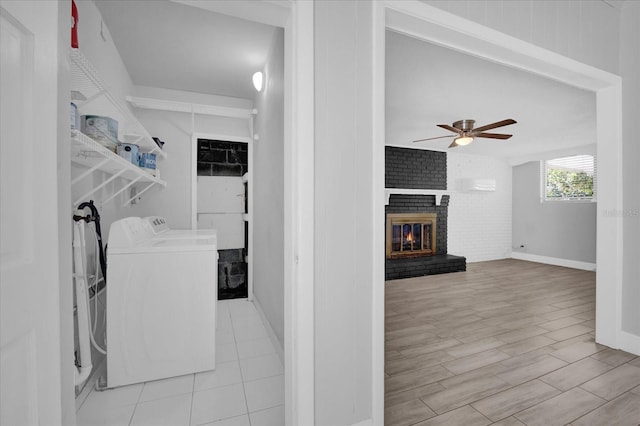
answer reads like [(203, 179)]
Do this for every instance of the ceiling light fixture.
[(257, 80), (463, 140)]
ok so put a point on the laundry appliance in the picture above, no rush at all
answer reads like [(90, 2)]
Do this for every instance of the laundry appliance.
[(161, 303), (160, 228)]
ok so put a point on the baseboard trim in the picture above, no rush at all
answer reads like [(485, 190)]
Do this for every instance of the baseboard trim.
[(575, 264), (272, 335), (629, 343), (367, 422), (100, 370)]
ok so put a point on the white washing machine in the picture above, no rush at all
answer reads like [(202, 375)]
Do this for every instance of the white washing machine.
[(161, 304), (160, 229)]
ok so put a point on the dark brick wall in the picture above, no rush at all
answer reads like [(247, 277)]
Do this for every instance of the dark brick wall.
[(419, 169), (232, 274), (423, 204), (222, 158), (421, 266), (415, 168)]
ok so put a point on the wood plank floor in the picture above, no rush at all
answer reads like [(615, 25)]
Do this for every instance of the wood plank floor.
[(507, 342)]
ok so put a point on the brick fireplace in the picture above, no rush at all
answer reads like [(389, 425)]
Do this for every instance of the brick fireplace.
[(411, 235), (415, 223)]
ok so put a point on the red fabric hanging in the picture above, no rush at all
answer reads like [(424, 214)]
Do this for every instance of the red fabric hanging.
[(74, 25)]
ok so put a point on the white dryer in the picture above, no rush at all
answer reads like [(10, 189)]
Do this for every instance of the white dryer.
[(161, 304)]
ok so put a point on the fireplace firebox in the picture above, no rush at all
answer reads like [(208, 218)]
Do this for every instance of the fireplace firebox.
[(411, 235)]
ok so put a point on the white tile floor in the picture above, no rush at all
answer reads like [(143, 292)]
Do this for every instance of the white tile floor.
[(245, 389)]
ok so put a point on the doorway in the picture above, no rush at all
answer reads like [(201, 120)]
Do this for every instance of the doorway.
[(222, 169), (437, 26)]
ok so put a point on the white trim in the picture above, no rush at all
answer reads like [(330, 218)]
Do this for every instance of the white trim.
[(434, 25), (630, 343), (568, 263), (249, 215), (299, 349), (179, 106), (410, 191), (378, 215), (368, 422), (267, 325), (454, 32), (99, 371)]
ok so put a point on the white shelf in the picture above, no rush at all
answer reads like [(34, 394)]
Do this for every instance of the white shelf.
[(193, 108), (94, 98), (89, 153), (95, 157), (85, 80)]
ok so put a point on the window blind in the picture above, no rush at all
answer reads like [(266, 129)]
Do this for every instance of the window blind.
[(569, 178)]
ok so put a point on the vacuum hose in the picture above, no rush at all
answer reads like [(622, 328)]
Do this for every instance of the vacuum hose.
[(94, 217)]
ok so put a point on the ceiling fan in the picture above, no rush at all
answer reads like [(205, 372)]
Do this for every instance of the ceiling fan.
[(465, 132)]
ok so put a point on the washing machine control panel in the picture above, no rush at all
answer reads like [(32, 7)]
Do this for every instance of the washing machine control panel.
[(157, 224), (128, 232)]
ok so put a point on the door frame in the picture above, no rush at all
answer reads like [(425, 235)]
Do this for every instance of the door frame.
[(437, 26), (194, 191)]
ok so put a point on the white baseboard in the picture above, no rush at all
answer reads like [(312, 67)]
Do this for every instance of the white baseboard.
[(100, 370), (367, 422), (575, 264), (629, 343), (272, 335)]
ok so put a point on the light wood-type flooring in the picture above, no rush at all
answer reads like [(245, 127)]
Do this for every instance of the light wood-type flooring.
[(507, 342)]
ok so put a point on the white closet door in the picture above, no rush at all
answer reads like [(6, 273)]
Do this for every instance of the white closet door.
[(29, 291)]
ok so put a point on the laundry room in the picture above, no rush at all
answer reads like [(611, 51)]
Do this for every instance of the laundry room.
[(177, 173)]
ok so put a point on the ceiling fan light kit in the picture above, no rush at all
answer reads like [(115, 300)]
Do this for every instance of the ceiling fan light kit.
[(463, 140), (466, 133)]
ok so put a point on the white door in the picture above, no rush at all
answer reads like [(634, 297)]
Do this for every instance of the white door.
[(29, 285)]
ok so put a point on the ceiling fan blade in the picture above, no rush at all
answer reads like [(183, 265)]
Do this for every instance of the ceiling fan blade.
[(491, 135), (437, 137), (450, 128), (494, 125), (453, 145)]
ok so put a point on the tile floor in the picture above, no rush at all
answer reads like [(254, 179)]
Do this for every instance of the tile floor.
[(245, 389)]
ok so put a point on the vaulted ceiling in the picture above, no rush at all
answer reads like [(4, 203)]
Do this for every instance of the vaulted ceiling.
[(428, 85), (175, 46)]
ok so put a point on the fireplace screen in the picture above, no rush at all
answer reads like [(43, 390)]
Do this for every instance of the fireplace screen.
[(411, 234)]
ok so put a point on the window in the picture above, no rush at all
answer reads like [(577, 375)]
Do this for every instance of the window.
[(569, 178)]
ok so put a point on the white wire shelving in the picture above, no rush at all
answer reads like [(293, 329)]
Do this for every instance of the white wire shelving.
[(90, 92)]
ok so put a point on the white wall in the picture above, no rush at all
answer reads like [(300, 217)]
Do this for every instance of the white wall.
[(343, 211), (174, 128), (102, 53), (584, 30), (562, 230), (268, 198), (597, 34), (630, 71), (479, 224)]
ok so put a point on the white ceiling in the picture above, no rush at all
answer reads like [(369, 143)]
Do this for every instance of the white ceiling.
[(175, 46), (428, 85)]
